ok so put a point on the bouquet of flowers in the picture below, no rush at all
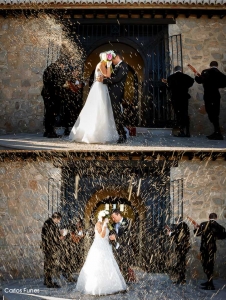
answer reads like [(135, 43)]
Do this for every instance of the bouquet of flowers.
[(105, 214), (110, 55), (107, 57)]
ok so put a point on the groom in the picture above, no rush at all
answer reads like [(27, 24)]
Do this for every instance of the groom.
[(121, 238), (116, 85)]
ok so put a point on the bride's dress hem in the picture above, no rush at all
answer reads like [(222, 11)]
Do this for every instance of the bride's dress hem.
[(95, 143), (106, 294)]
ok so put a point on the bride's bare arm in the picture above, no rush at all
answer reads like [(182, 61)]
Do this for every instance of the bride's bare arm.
[(101, 229), (104, 71)]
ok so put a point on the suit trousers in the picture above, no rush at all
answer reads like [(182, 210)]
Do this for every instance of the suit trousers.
[(207, 259), (181, 111), (118, 116), (51, 266), (122, 257), (212, 106), (180, 267)]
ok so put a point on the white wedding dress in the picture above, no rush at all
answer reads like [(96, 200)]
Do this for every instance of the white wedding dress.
[(100, 274), (95, 123)]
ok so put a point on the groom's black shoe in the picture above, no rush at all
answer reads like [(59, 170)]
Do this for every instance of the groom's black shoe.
[(121, 140)]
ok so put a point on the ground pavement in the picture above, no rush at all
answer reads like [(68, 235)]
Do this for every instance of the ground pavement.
[(148, 287), (146, 140)]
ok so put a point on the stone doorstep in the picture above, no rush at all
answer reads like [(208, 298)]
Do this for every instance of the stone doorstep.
[(161, 132), (138, 130)]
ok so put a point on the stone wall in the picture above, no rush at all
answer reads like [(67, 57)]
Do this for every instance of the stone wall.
[(204, 192), (203, 40), (23, 210), (27, 46), (24, 46)]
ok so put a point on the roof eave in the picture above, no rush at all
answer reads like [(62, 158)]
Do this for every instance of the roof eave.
[(109, 6)]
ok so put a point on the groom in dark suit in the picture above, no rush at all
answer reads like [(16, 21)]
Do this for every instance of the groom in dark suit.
[(116, 85), (122, 240)]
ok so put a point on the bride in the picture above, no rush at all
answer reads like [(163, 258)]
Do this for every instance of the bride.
[(100, 274), (96, 123)]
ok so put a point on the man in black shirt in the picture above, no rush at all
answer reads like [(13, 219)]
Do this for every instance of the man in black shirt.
[(181, 238), (212, 79), (53, 93), (179, 83), (210, 231), (51, 247)]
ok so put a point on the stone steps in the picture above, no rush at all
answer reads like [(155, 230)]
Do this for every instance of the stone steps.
[(160, 132)]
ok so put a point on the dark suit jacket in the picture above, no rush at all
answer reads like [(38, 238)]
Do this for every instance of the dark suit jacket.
[(51, 242), (123, 237), (116, 83), (212, 79), (179, 83), (53, 92), (125, 252), (181, 237), (210, 231)]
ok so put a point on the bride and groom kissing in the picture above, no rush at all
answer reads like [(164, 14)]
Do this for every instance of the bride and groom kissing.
[(100, 274), (101, 119)]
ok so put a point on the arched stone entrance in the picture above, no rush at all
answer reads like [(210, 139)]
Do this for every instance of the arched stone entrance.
[(138, 220), (149, 196), (133, 95), (144, 41), (97, 197)]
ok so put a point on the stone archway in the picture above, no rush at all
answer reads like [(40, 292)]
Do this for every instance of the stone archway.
[(133, 95), (136, 202)]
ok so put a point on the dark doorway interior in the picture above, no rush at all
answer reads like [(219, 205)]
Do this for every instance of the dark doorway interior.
[(142, 187), (151, 42)]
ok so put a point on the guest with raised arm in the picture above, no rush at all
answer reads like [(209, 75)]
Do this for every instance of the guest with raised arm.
[(210, 231), (212, 79)]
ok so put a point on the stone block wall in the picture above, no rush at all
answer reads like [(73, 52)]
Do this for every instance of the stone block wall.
[(23, 52), (27, 46), (23, 210), (23, 57), (24, 44), (204, 192), (203, 40)]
